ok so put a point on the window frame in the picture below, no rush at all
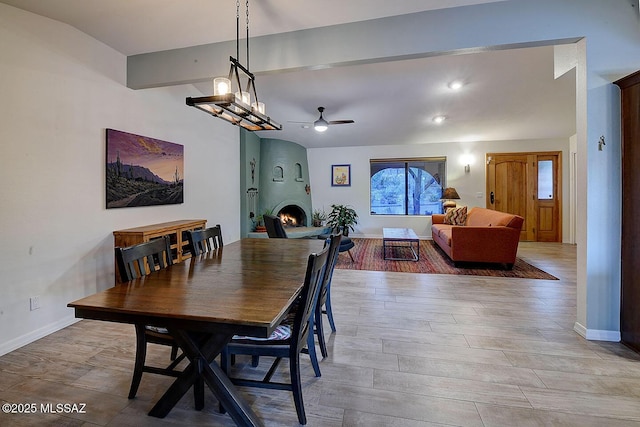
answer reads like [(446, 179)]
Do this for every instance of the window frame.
[(442, 165)]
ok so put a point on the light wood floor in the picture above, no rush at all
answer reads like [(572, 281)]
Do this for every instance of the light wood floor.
[(411, 350)]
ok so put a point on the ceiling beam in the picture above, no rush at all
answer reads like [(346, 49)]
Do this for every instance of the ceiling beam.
[(447, 31)]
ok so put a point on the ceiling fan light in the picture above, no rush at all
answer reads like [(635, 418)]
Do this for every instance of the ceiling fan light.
[(439, 119), (221, 86), (319, 126), (455, 85)]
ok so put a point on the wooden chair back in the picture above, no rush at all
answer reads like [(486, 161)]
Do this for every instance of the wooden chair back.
[(202, 241), (303, 320), (274, 226), (142, 259), (334, 251)]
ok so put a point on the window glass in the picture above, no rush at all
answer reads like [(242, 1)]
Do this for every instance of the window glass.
[(407, 186), (545, 180)]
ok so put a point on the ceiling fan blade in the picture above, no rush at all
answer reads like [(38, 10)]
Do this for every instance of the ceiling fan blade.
[(340, 122)]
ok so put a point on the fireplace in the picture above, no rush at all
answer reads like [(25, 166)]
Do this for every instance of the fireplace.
[(276, 181), (292, 216)]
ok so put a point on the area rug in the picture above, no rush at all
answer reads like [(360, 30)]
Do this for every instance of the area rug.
[(368, 256)]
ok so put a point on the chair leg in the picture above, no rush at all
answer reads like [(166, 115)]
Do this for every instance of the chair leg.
[(296, 386), (327, 306), (141, 354), (311, 349), (311, 346), (319, 331)]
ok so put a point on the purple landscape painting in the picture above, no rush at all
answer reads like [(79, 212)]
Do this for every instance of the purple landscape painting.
[(143, 171)]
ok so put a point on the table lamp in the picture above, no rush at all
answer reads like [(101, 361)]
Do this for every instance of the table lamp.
[(449, 195)]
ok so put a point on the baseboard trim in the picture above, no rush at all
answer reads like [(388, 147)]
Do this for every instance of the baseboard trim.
[(23, 340), (596, 334)]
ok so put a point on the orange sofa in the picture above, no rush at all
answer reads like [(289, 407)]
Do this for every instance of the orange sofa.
[(487, 236)]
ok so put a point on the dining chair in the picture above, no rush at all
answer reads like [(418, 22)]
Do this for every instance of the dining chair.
[(323, 305), (201, 241), (274, 226), (133, 262), (287, 341), (144, 258)]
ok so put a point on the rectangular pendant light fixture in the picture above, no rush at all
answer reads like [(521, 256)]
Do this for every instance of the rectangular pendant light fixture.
[(236, 108)]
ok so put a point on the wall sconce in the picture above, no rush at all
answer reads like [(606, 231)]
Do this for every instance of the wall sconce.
[(466, 160), (601, 143)]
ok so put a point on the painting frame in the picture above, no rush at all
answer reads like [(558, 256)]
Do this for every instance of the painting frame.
[(341, 175), (142, 171)]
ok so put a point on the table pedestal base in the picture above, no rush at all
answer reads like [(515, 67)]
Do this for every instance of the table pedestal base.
[(201, 350)]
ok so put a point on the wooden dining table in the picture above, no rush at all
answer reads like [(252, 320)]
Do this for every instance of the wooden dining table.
[(243, 288)]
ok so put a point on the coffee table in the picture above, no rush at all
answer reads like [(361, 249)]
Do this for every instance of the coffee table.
[(400, 237)]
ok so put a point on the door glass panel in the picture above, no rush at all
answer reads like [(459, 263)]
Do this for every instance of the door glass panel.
[(545, 180)]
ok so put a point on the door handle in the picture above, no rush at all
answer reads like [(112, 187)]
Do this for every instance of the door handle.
[(492, 197)]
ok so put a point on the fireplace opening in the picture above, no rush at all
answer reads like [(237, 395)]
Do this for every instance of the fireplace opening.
[(293, 216)]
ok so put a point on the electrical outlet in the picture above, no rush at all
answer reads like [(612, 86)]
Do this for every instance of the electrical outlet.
[(34, 303), (479, 195)]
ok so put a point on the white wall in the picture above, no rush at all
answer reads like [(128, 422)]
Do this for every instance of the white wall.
[(59, 90), (468, 185)]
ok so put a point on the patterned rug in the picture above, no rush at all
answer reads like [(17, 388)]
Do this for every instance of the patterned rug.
[(368, 256)]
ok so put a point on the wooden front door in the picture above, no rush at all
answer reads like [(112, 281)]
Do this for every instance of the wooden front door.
[(630, 250), (527, 184)]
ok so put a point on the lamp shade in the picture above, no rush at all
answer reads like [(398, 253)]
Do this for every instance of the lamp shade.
[(320, 125), (450, 193)]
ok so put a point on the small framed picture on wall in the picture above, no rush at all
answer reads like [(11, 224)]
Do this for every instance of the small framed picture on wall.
[(340, 175)]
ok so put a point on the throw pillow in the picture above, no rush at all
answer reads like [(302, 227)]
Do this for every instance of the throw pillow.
[(457, 216)]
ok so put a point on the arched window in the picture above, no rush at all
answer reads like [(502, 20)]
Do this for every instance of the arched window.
[(407, 186)]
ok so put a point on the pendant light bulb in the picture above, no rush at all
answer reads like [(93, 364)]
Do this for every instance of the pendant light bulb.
[(221, 86)]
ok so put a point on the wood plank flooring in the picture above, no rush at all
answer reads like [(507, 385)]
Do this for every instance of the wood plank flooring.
[(411, 350)]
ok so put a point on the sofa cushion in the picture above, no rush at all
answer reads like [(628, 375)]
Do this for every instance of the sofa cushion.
[(436, 229), (445, 235), (456, 216), (479, 217)]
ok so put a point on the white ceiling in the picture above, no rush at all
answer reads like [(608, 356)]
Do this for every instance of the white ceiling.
[(509, 94)]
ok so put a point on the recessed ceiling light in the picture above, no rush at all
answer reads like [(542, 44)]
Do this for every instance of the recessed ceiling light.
[(439, 119), (455, 85)]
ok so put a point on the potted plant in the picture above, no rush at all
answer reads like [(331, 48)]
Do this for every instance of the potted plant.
[(260, 228), (318, 217), (342, 217)]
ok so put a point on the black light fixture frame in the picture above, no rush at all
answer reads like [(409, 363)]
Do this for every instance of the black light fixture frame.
[(227, 107)]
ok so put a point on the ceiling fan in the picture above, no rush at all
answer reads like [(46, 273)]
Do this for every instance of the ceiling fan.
[(321, 124)]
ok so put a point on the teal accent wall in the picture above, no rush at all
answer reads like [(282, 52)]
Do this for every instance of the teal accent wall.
[(290, 160), (281, 176)]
